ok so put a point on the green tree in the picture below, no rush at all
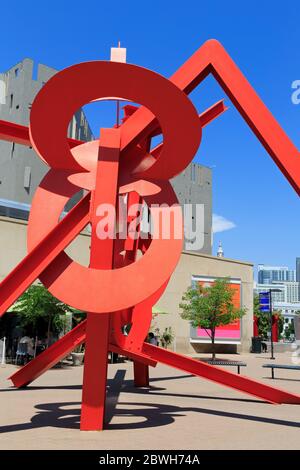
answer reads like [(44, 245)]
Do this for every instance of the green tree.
[(39, 312), (210, 307)]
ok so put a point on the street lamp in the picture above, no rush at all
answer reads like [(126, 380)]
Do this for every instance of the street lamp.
[(265, 305), (271, 320)]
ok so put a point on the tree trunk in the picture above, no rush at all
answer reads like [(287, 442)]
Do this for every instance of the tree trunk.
[(213, 346)]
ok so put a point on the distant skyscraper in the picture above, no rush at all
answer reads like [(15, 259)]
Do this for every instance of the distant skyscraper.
[(271, 274), (289, 291), (298, 273), (298, 269)]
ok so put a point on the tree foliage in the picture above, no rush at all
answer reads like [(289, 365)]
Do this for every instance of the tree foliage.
[(40, 312), (210, 307)]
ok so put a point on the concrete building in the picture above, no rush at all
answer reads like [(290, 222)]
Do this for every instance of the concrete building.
[(194, 187), (289, 291), (289, 311), (271, 274), (21, 170), (191, 268), (298, 273)]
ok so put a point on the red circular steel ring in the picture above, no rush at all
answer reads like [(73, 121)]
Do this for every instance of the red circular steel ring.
[(73, 87), (96, 290)]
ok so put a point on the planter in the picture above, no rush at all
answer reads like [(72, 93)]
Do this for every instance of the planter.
[(77, 358)]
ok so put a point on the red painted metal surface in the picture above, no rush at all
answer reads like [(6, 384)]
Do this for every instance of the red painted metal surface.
[(119, 287), (12, 132), (51, 356), (150, 356), (255, 326), (43, 254), (62, 348), (101, 257), (141, 374), (219, 375)]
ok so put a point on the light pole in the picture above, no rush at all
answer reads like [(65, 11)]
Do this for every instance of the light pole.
[(271, 321)]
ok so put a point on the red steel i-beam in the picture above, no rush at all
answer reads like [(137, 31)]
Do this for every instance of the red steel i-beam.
[(30, 268), (102, 254), (150, 355), (219, 375), (51, 356), (62, 348)]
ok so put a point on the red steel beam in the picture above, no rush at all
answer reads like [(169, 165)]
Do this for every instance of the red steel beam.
[(12, 132), (59, 350), (212, 113), (150, 355), (219, 375), (30, 268), (101, 257), (51, 356), (213, 58)]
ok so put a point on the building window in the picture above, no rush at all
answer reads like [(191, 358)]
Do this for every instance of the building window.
[(11, 100), (17, 72)]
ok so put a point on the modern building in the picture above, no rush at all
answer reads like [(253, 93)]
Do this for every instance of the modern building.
[(276, 296), (194, 191), (289, 311), (21, 170), (271, 274), (298, 273), (289, 291)]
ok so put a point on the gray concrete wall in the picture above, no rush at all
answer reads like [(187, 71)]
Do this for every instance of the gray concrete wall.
[(194, 186), (21, 170)]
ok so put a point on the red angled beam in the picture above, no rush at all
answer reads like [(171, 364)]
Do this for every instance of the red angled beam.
[(51, 356), (151, 355), (30, 268), (60, 349), (212, 113), (219, 375), (213, 58), (12, 132)]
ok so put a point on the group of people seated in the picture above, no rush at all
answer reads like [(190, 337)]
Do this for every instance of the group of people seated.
[(28, 348)]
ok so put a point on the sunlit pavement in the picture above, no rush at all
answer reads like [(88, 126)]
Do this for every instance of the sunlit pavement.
[(178, 411)]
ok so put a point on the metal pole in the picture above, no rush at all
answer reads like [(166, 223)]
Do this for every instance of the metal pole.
[(118, 102), (3, 352), (271, 326)]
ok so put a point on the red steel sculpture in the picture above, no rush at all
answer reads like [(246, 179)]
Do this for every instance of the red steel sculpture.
[(120, 287)]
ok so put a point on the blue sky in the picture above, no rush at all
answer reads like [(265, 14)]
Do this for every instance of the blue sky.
[(263, 39)]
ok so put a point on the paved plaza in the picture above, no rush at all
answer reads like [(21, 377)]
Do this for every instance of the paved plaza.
[(178, 411)]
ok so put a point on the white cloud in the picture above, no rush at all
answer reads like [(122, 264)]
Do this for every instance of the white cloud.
[(220, 224)]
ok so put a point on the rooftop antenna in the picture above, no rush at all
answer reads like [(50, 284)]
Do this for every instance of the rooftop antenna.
[(220, 253), (118, 54)]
